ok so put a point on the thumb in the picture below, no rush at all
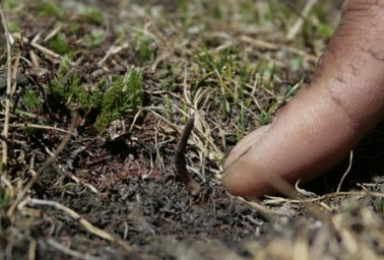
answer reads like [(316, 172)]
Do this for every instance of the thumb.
[(319, 127)]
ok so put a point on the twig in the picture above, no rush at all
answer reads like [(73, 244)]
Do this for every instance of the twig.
[(276, 200), (8, 98), (48, 162), (180, 163), (267, 213), (43, 49), (290, 5), (77, 217), (53, 33), (112, 50), (300, 21), (346, 172), (275, 47), (70, 252), (14, 74), (45, 127), (32, 250)]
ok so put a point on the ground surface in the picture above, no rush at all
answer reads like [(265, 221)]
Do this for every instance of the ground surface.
[(129, 74)]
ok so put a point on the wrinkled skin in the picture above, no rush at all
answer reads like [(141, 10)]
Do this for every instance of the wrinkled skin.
[(326, 120)]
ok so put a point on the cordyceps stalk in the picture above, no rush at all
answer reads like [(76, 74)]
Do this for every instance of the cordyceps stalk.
[(180, 163), (319, 127)]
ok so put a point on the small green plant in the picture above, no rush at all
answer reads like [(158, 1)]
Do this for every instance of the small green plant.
[(13, 26), (48, 9), (144, 50), (170, 78), (325, 30), (110, 99), (122, 97), (94, 38), (92, 16), (250, 12), (183, 7), (67, 89), (5, 198), (11, 4), (31, 100), (59, 44)]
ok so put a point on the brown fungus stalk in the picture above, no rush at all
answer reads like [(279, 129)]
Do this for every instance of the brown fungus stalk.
[(180, 162)]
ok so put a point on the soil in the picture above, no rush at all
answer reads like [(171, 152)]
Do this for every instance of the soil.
[(116, 195)]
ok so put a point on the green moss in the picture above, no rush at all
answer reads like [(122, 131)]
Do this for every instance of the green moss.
[(48, 9), (59, 44), (168, 84), (250, 12), (95, 38), (67, 89), (111, 99), (74, 95), (74, 27), (31, 100), (143, 48), (92, 16), (5, 198), (122, 97), (325, 30), (13, 27), (11, 4)]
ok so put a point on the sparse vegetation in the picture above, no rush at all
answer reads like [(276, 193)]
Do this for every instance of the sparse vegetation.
[(138, 72), (67, 89), (112, 98)]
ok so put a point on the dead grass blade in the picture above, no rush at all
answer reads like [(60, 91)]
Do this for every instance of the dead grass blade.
[(273, 47), (77, 217), (7, 100), (346, 171), (295, 29), (43, 49), (67, 251)]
